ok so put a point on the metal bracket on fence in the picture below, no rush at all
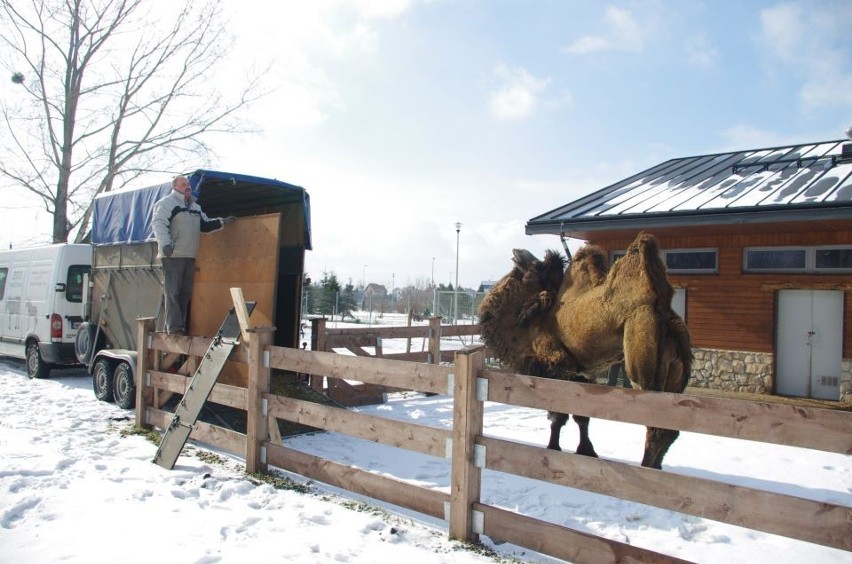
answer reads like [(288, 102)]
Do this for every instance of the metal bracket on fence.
[(481, 389), (148, 379), (448, 448), (447, 511), (451, 384), (477, 522), (150, 341), (479, 456), (266, 359), (263, 454), (264, 407)]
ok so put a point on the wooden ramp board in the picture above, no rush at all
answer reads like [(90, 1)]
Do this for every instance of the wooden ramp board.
[(186, 414)]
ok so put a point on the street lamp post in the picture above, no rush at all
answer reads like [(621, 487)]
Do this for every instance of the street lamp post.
[(456, 289)]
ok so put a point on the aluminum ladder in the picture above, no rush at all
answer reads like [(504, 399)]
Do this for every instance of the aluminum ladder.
[(199, 389)]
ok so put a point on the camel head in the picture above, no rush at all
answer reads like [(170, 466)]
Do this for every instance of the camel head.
[(513, 313), (540, 275)]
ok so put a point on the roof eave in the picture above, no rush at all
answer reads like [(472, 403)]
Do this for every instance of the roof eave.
[(689, 219)]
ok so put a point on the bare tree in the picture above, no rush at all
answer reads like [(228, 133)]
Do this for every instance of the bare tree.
[(107, 91)]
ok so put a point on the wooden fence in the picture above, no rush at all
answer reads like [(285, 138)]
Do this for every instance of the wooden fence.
[(470, 451), (357, 340)]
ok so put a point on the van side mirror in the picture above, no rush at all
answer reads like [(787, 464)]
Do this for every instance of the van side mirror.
[(60, 287)]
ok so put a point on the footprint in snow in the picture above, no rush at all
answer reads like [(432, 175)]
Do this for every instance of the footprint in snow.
[(17, 512)]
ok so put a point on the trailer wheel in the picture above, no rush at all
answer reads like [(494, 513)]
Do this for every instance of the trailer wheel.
[(124, 390), (102, 379), (36, 366)]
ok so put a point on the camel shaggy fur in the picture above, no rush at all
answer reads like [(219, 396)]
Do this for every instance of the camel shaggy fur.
[(599, 317)]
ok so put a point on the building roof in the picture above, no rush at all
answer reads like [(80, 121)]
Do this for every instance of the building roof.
[(793, 183)]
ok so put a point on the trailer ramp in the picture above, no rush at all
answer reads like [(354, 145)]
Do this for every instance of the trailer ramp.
[(200, 386)]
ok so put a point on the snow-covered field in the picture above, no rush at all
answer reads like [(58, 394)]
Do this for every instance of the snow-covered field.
[(74, 488)]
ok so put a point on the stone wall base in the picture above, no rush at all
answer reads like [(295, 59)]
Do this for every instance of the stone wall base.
[(748, 372)]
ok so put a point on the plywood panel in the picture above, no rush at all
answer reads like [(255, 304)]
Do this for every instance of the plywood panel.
[(244, 255)]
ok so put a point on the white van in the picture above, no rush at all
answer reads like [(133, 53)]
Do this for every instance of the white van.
[(41, 295)]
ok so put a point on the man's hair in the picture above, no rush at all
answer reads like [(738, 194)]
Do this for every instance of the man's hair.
[(176, 178)]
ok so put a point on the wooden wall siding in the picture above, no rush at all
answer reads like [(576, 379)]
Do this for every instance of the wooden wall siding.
[(244, 255), (733, 310)]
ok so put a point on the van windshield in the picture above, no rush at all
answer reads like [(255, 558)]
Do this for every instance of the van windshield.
[(74, 287)]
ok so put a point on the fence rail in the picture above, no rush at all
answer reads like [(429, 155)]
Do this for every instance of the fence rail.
[(470, 451)]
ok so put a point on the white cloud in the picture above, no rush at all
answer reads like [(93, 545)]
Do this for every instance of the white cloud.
[(815, 45), (518, 95), (622, 32), (700, 51), (382, 9)]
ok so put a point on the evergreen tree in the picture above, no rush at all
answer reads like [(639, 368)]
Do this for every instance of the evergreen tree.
[(347, 303), (329, 293)]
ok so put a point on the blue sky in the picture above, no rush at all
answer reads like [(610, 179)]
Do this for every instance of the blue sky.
[(402, 117)]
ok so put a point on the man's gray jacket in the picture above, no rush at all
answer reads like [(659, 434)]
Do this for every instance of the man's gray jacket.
[(180, 226)]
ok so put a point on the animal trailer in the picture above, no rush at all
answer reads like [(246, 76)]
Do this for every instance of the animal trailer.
[(262, 252)]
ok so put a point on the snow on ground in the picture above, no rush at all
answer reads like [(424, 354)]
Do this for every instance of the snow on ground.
[(74, 486)]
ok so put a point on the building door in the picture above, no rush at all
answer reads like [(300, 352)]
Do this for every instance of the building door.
[(809, 345)]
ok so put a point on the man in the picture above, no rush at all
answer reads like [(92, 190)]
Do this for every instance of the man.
[(178, 223)]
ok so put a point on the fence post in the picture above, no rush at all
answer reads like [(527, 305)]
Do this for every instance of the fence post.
[(435, 339), (144, 326), (257, 428), (318, 342), (468, 412)]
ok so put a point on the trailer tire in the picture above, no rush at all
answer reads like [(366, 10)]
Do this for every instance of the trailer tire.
[(84, 342), (124, 389), (102, 379), (36, 366)]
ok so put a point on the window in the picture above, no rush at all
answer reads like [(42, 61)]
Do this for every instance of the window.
[(695, 261), (775, 260), (798, 259), (684, 261), (74, 287), (833, 259), (3, 273)]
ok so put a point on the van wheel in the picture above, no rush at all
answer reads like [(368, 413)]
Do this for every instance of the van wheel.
[(36, 366), (124, 390), (102, 380)]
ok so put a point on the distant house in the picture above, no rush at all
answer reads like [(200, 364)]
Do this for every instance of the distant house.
[(374, 294), (758, 244), (486, 285)]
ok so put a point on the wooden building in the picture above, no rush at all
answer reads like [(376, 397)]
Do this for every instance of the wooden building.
[(758, 245)]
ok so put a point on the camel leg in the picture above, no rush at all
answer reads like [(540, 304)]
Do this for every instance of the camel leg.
[(585, 447), (557, 421), (657, 443)]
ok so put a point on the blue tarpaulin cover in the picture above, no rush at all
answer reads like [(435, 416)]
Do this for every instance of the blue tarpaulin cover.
[(124, 216)]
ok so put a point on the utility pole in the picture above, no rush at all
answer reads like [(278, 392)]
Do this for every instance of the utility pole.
[(456, 289)]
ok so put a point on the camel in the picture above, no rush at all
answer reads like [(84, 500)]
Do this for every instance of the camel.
[(600, 317)]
